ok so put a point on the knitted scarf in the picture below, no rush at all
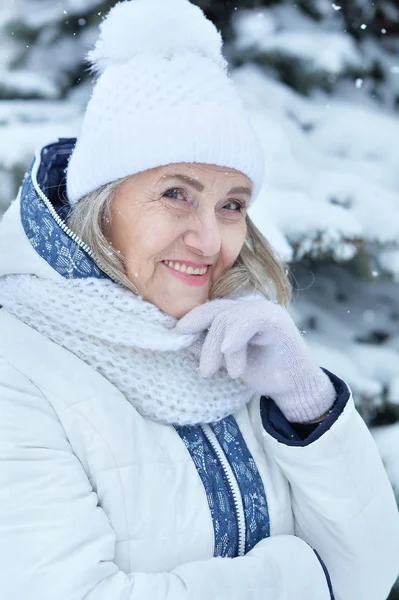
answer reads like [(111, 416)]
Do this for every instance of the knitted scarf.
[(130, 342)]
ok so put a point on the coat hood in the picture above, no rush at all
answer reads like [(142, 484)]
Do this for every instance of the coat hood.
[(34, 238)]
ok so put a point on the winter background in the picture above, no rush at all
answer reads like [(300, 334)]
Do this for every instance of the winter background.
[(321, 82)]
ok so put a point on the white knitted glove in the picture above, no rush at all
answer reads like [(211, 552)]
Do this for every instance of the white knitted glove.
[(258, 341)]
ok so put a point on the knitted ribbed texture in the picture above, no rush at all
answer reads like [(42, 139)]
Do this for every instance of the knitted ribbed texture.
[(130, 342)]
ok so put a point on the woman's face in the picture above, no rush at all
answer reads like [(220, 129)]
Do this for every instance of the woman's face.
[(176, 217)]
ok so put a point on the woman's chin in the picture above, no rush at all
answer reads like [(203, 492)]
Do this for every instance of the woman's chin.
[(178, 305), (181, 307), (174, 297)]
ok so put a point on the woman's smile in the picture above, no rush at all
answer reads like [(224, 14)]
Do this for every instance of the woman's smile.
[(191, 276)]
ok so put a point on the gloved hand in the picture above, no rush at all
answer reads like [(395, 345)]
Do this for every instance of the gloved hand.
[(256, 340)]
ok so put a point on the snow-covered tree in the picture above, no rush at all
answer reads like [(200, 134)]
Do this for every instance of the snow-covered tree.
[(43, 79)]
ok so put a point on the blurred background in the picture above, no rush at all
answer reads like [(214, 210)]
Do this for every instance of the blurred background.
[(321, 82)]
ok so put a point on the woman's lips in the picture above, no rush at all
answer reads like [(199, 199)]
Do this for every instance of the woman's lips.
[(195, 280)]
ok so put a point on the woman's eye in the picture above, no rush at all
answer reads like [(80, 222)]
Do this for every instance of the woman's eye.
[(175, 194), (235, 205)]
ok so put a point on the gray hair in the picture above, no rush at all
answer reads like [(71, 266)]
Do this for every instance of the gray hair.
[(257, 267)]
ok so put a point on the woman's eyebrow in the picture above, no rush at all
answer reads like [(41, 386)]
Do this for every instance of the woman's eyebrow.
[(240, 190), (188, 180)]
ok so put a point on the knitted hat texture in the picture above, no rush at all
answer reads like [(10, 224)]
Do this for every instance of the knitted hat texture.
[(163, 96)]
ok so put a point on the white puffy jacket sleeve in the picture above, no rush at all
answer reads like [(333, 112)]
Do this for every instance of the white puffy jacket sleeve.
[(342, 500), (56, 543)]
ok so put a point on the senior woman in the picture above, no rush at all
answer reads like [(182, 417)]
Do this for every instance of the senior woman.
[(164, 432)]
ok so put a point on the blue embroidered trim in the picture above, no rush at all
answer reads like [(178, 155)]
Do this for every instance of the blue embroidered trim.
[(217, 490), (220, 500), (250, 483), (45, 235)]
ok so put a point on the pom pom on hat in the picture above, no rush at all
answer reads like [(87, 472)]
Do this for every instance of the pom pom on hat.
[(167, 28)]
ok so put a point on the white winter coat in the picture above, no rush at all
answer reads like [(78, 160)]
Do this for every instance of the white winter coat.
[(99, 503)]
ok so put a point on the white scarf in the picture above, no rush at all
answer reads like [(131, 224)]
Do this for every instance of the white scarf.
[(130, 342)]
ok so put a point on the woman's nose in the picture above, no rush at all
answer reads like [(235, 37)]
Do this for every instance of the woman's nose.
[(203, 236)]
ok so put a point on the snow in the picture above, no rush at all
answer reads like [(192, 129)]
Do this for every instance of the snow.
[(389, 261), (41, 66), (24, 83), (23, 127), (29, 137), (328, 51), (331, 171), (36, 14), (346, 323)]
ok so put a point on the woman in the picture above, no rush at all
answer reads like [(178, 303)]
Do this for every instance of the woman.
[(164, 431)]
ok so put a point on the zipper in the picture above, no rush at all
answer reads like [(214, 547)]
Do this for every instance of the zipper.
[(234, 488), (75, 238)]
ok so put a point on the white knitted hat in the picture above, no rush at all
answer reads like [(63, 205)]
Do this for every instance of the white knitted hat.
[(163, 96)]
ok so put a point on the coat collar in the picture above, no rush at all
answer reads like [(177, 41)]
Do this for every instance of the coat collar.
[(43, 210)]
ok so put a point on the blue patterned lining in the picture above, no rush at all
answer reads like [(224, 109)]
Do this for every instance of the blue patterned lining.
[(250, 483), (45, 235), (217, 490), (220, 500)]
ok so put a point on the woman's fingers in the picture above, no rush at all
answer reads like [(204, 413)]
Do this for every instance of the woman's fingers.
[(239, 332), (236, 362), (201, 318), (211, 356), (255, 324)]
